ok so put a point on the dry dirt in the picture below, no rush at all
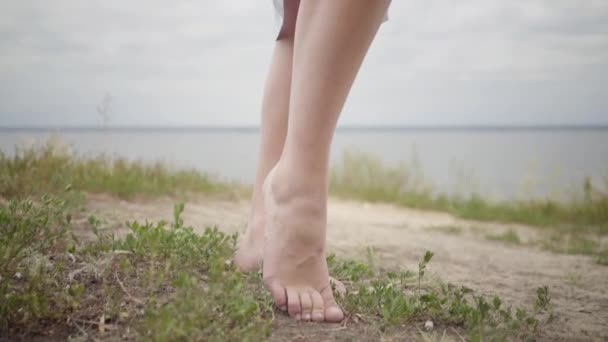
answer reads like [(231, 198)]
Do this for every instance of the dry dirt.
[(399, 236)]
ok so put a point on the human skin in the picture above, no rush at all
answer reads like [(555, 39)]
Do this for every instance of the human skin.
[(310, 76)]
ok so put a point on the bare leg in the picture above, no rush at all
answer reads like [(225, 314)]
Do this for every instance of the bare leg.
[(331, 40), (275, 107)]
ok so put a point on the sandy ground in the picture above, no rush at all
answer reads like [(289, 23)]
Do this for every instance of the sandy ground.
[(578, 286)]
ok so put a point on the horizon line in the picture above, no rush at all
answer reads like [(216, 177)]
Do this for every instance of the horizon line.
[(593, 126)]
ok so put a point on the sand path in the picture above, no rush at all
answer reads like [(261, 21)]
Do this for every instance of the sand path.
[(578, 286)]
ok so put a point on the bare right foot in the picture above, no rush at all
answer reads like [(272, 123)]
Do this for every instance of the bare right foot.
[(295, 268)]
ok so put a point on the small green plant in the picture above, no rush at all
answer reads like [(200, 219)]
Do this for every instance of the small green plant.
[(223, 307), (28, 227), (221, 310), (428, 255), (178, 247), (350, 270), (391, 301), (33, 240), (543, 299)]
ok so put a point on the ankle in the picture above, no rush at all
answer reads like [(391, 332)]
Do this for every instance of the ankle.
[(256, 224), (302, 202), (289, 184)]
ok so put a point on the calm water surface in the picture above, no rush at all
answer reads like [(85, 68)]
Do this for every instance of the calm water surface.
[(500, 164)]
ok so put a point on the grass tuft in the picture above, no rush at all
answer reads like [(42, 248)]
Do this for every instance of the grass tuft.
[(53, 169), (211, 300), (397, 299), (364, 177), (572, 244)]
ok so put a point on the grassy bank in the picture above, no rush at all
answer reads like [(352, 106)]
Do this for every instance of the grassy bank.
[(53, 169), (164, 282), (364, 177)]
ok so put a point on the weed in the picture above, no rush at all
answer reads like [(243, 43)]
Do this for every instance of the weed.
[(422, 266), (210, 300), (543, 299), (33, 235), (348, 270), (393, 301), (221, 306)]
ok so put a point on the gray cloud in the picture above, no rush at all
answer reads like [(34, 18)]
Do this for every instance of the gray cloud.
[(204, 62)]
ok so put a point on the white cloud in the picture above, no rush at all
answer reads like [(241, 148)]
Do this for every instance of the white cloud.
[(204, 62)]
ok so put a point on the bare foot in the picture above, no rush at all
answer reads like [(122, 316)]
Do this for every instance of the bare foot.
[(250, 251), (295, 268)]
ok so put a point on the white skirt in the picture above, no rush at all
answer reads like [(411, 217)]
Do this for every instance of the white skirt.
[(287, 12)]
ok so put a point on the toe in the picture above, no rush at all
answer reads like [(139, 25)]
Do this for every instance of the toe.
[(294, 306), (333, 313), (318, 309), (306, 302), (278, 294)]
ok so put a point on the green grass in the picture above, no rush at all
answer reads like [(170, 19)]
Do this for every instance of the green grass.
[(164, 282), (210, 301), (572, 244), (31, 235), (52, 169), (395, 299), (364, 177), (160, 282), (566, 243)]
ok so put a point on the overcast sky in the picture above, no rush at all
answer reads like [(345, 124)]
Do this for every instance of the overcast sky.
[(435, 62)]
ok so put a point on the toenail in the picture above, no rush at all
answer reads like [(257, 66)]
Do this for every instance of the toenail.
[(307, 317), (317, 316), (297, 317)]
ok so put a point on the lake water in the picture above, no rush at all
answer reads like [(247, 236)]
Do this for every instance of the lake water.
[(500, 164)]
